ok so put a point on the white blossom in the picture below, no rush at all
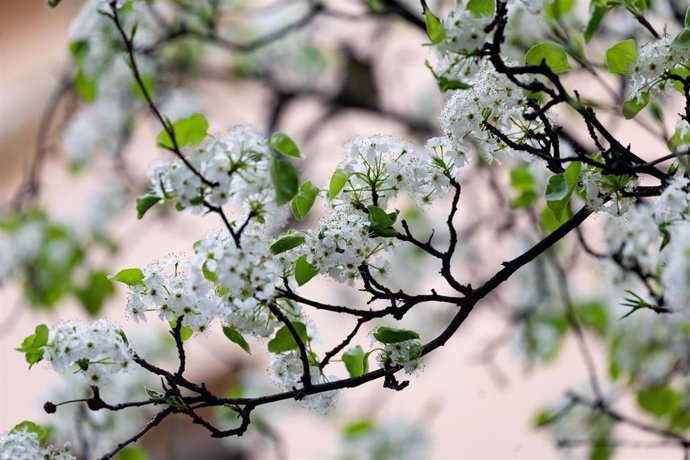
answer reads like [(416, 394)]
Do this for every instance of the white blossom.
[(95, 350), (653, 60), (286, 371), (407, 354), (22, 444)]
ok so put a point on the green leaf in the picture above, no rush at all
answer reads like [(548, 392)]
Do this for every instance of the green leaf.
[(391, 335), (557, 8), (658, 401), (304, 200), (355, 361), (287, 242), (552, 55), (27, 425), (53, 3), (97, 290), (687, 18), (285, 180), (32, 346), (132, 453), (543, 418), (380, 217), (234, 336), (41, 334), (521, 180), (632, 106), (620, 56), (86, 87), (130, 277), (146, 202), (186, 333), (593, 315), (304, 271), (560, 188), (434, 27), (208, 274), (187, 131), (597, 12), (79, 49), (548, 220), (284, 341), (480, 8), (381, 222), (338, 181), (285, 145), (445, 84), (358, 428), (682, 40)]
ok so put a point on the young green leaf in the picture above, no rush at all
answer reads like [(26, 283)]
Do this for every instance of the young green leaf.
[(597, 12), (287, 242), (187, 131), (284, 341), (285, 180), (354, 360), (633, 106), (480, 8), (338, 181), (381, 222), (620, 56), (682, 40), (130, 277), (434, 27), (658, 401), (146, 202), (553, 55), (561, 187), (234, 336), (557, 8), (29, 426), (97, 290), (304, 200), (282, 143), (304, 271), (391, 335)]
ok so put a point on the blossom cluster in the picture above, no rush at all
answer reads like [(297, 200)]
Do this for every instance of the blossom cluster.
[(343, 244), (654, 238), (239, 166), (378, 168), (407, 354), (248, 275), (655, 58), (457, 54), (286, 371), (223, 281), (94, 350), (492, 100), (399, 440), (22, 444)]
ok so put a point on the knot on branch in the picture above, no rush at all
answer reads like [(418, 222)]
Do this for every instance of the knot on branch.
[(391, 382)]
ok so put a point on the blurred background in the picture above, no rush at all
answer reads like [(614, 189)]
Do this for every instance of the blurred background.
[(475, 398)]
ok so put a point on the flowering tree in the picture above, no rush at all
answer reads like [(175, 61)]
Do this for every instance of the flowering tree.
[(511, 106)]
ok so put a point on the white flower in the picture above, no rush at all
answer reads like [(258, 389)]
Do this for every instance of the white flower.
[(635, 235), (674, 203), (285, 370), (676, 275), (407, 354), (654, 59), (493, 99), (22, 444), (456, 55), (95, 350)]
